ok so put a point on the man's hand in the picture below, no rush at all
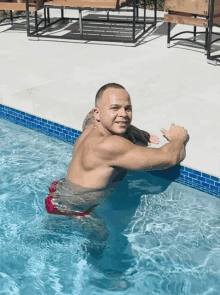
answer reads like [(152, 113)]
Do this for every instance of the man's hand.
[(178, 134), (134, 134), (175, 132), (154, 139)]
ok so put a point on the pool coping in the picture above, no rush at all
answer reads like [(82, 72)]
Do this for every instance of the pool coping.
[(189, 177)]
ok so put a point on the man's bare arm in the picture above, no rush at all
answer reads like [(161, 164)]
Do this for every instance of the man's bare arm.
[(119, 152)]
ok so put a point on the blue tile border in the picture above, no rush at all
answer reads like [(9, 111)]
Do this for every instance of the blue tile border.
[(41, 125), (192, 178), (181, 174)]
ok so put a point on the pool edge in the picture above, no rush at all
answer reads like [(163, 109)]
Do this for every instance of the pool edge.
[(187, 176)]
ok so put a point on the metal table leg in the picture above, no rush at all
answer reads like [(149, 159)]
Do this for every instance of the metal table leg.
[(11, 17), (27, 17), (134, 6), (168, 34), (206, 39), (35, 16), (194, 33), (137, 11), (209, 59), (45, 18), (80, 23), (48, 15)]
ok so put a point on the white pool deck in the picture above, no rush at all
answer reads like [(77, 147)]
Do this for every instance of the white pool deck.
[(58, 81)]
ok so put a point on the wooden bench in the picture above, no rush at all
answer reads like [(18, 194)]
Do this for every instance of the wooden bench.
[(113, 29), (186, 19), (111, 4), (86, 4), (201, 13), (18, 5)]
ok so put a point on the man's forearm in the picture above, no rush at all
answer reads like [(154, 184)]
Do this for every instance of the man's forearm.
[(175, 149), (182, 154)]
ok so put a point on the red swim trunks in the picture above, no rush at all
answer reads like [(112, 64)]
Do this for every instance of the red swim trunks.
[(51, 208)]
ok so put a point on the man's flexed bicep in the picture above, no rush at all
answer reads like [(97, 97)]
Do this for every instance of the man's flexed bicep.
[(117, 151)]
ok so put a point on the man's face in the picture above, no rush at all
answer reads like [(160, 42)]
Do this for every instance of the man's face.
[(115, 110)]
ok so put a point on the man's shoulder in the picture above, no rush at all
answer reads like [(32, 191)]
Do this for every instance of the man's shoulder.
[(112, 139), (115, 143)]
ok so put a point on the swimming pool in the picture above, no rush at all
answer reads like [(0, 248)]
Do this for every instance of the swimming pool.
[(163, 237)]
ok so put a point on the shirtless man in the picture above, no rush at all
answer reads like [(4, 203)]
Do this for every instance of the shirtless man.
[(103, 154)]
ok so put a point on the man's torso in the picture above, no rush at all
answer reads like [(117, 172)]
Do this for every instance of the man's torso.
[(87, 168)]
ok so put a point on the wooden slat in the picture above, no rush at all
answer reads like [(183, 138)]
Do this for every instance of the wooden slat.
[(188, 14), (78, 3), (178, 19), (16, 7), (39, 2), (86, 3), (216, 6), (190, 6), (216, 21)]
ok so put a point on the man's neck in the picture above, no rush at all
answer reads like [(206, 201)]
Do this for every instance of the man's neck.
[(101, 129)]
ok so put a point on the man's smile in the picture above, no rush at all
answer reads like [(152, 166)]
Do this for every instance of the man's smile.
[(123, 123)]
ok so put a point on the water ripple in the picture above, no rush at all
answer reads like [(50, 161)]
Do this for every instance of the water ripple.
[(174, 236), (176, 242)]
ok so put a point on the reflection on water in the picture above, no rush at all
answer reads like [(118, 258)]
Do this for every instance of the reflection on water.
[(162, 238), (175, 238)]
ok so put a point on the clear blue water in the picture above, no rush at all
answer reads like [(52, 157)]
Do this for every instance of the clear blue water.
[(163, 238)]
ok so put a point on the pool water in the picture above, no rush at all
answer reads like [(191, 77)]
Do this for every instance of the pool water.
[(162, 237)]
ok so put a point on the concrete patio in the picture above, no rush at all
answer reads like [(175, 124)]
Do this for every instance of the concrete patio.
[(58, 81)]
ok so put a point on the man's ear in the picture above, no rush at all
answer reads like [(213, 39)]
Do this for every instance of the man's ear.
[(96, 113)]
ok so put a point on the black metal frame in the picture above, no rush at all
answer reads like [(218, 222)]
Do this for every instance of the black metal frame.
[(185, 39), (212, 59), (208, 36), (12, 18), (135, 20)]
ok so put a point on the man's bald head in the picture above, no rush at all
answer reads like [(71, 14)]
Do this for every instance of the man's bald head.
[(103, 88), (113, 108)]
